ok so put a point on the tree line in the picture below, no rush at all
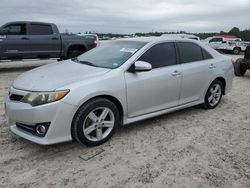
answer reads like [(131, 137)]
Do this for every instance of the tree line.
[(243, 34)]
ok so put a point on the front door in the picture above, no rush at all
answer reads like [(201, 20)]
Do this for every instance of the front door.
[(157, 89), (215, 42), (14, 42)]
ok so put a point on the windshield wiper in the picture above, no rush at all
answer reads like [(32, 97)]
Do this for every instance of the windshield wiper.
[(84, 62)]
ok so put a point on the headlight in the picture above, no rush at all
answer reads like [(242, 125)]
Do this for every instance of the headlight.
[(39, 98)]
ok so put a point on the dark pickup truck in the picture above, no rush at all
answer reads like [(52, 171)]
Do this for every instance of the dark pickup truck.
[(26, 40)]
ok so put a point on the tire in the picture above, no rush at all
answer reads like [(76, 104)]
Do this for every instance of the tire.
[(74, 53), (89, 129), (236, 51), (216, 97), (240, 67)]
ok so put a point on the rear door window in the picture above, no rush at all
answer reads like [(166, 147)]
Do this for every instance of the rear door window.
[(160, 55), (40, 29), (206, 55), (189, 52)]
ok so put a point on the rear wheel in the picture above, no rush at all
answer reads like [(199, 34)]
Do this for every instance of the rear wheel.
[(213, 95), (74, 53), (95, 122), (236, 51)]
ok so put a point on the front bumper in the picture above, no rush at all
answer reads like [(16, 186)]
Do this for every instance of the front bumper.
[(59, 114)]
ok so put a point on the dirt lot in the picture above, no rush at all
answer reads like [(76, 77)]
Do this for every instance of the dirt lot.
[(190, 148)]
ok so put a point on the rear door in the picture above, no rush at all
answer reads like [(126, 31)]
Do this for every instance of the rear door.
[(14, 44), (197, 67), (157, 89), (43, 41)]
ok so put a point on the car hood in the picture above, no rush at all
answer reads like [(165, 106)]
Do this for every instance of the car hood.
[(56, 75)]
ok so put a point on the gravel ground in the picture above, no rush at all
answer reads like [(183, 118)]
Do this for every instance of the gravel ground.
[(189, 148)]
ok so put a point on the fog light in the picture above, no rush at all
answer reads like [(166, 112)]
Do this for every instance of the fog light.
[(41, 129)]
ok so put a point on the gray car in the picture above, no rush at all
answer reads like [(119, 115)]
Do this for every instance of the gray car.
[(119, 83)]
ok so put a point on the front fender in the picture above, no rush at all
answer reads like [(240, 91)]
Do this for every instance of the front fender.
[(111, 84)]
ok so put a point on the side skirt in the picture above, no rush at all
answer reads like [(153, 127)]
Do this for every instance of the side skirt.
[(158, 113)]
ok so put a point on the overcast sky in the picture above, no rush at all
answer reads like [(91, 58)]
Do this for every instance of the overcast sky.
[(130, 16)]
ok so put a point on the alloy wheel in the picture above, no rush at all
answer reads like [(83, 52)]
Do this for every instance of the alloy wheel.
[(98, 124), (215, 94)]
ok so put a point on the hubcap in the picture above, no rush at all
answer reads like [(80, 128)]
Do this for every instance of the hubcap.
[(98, 124), (214, 95)]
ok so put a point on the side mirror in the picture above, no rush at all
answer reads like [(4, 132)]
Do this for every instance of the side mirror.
[(224, 42), (141, 66)]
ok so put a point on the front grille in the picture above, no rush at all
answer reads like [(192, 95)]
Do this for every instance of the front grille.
[(15, 97)]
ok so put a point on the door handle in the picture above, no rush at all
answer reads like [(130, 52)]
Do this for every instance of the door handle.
[(212, 66), (54, 38), (25, 38), (176, 73)]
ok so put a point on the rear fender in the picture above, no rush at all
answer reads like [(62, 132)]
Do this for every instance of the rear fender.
[(68, 46)]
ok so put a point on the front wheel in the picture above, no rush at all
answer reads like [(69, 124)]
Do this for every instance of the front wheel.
[(95, 122), (213, 95)]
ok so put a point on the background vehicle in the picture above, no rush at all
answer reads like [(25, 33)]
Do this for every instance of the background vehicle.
[(226, 43), (93, 36), (121, 82), (242, 64), (184, 36), (24, 40)]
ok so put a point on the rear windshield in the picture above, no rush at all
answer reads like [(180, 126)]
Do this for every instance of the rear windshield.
[(110, 55)]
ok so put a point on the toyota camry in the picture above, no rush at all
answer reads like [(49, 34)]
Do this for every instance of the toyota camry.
[(86, 98)]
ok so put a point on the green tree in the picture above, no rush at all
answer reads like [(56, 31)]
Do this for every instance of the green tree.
[(234, 31)]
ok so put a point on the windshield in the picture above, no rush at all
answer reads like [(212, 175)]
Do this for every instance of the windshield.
[(110, 55)]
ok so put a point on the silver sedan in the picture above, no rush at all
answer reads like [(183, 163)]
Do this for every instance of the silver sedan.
[(121, 82)]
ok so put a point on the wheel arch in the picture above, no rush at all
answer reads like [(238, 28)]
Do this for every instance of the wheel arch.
[(237, 48), (223, 81), (111, 98), (80, 47)]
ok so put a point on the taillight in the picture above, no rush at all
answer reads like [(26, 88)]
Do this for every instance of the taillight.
[(95, 42)]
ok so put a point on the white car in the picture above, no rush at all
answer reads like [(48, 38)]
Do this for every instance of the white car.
[(122, 82), (226, 43), (184, 36)]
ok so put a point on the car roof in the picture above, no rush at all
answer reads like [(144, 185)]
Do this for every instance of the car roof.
[(157, 39), (28, 22), (154, 40)]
